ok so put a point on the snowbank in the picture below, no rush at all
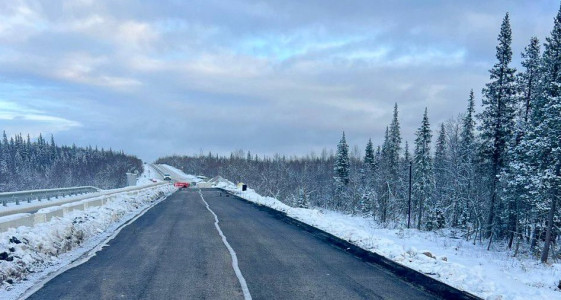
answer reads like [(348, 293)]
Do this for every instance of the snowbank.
[(459, 263), (28, 254)]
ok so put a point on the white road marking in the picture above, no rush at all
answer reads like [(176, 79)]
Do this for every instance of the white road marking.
[(241, 279)]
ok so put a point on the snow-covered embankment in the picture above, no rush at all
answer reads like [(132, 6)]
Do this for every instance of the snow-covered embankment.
[(30, 253)]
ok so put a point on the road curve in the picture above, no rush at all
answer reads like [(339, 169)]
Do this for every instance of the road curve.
[(175, 252)]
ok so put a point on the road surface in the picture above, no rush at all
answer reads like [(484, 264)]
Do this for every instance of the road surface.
[(174, 251)]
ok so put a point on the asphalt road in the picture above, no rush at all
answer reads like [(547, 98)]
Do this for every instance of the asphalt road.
[(174, 251)]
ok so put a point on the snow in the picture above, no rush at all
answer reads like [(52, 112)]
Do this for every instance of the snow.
[(38, 251), (148, 175), (455, 261), (178, 174), (13, 217)]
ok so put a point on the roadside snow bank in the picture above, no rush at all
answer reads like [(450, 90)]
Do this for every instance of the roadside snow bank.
[(27, 254), (468, 267)]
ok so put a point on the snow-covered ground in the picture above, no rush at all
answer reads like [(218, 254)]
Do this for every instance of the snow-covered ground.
[(457, 262), (150, 175), (180, 175), (29, 255)]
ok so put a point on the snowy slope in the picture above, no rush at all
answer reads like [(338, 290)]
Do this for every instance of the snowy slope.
[(178, 174), (148, 175), (29, 254), (459, 263)]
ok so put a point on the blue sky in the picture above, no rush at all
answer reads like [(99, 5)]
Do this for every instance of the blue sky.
[(163, 77)]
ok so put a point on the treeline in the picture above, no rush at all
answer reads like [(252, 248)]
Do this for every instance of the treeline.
[(494, 176), (38, 164)]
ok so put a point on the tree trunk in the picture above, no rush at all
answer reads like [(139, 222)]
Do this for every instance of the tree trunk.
[(420, 216), (513, 220), (534, 238), (549, 230), (491, 216)]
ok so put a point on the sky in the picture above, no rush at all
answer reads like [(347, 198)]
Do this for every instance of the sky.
[(154, 78)]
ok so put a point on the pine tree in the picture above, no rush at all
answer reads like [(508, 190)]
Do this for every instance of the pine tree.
[(341, 168), (393, 150), (467, 160), (514, 177), (541, 143), (528, 80), (407, 155), (342, 162), (497, 118), (369, 159), (383, 175), (367, 189), (422, 168), (302, 200), (441, 179)]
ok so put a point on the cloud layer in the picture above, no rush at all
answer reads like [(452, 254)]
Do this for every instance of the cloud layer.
[(162, 77)]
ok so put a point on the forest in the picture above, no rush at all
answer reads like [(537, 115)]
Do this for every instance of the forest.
[(38, 164), (495, 176)]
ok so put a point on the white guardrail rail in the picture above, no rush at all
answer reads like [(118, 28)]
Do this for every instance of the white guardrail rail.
[(44, 211), (157, 168), (20, 196)]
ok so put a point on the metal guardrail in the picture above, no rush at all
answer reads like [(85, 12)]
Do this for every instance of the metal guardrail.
[(29, 215), (17, 197), (157, 168)]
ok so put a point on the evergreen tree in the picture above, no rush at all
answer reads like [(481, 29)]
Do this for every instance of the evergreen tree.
[(367, 189), (393, 149), (467, 160), (514, 178), (422, 168), (441, 179), (497, 118), (369, 159), (407, 155), (391, 165), (541, 143), (342, 162), (302, 201), (528, 80)]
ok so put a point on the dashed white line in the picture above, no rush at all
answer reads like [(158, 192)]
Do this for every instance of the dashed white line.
[(241, 279)]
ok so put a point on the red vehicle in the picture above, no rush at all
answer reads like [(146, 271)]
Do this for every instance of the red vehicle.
[(181, 184)]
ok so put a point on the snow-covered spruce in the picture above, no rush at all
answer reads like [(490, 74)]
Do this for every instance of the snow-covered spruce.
[(27, 250)]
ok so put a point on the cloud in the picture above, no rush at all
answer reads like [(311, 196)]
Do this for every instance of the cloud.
[(16, 118), (160, 77)]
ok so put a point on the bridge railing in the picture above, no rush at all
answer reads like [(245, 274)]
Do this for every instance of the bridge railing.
[(20, 196), (157, 168), (29, 215)]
